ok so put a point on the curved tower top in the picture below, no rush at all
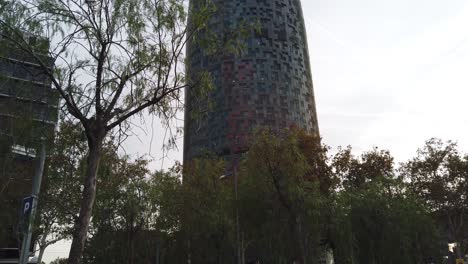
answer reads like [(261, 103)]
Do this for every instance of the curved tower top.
[(268, 85)]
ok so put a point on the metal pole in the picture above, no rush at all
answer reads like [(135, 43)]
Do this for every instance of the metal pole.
[(26, 244), (39, 170), (237, 217)]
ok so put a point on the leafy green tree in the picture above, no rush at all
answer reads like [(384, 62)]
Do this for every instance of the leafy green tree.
[(61, 187), (282, 205), (354, 173), (167, 199), (120, 226), (208, 212), (128, 208), (147, 218), (373, 227), (438, 175), (376, 219), (113, 60)]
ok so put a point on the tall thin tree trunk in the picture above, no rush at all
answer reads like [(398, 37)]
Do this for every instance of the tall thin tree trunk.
[(41, 254), (458, 249), (87, 202), (132, 242), (301, 240), (189, 255), (158, 259), (243, 248), (42, 245)]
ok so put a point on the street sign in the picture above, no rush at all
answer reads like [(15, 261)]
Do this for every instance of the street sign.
[(27, 207)]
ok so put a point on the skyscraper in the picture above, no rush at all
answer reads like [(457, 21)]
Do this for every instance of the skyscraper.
[(268, 85)]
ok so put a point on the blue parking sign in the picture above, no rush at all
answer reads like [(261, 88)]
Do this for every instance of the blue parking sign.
[(27, 207)]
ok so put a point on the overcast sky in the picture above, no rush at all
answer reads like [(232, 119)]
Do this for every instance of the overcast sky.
[(387, 73)]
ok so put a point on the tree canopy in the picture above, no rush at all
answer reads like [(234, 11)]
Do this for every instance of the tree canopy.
[(295, 202)]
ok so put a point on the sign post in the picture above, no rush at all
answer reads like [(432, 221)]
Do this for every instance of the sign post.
[(30, 205), (26, 208)]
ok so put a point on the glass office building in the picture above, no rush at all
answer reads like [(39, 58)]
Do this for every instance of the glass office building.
[(28, 114)]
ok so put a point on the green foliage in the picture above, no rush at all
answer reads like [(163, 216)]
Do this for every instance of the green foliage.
[(281, 198), (63, 178), (60, 261), (373, 225), (354, 173), (61, 186), (292, 192), (122, 213), (438, 175), (208, 216), (137, 215), (376, 219), (293, 201)]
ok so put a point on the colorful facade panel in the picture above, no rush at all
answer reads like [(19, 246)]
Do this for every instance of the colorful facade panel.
[(268, 85)]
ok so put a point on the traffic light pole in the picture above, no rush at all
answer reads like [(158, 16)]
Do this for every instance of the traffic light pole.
[(36, 186)]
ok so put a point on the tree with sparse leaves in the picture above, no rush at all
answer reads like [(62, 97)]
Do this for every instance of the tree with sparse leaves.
[(114, 59)]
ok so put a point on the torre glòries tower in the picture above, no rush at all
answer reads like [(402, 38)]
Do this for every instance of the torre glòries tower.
[(269, 84)]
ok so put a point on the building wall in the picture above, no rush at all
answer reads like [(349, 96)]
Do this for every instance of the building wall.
[(28, 112), (268, 85)]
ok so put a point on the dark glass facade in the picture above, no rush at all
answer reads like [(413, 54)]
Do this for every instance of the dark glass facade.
[(28, 113), (268, 85)]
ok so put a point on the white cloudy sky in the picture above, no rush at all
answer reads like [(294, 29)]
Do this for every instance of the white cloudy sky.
[(387, 73)]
